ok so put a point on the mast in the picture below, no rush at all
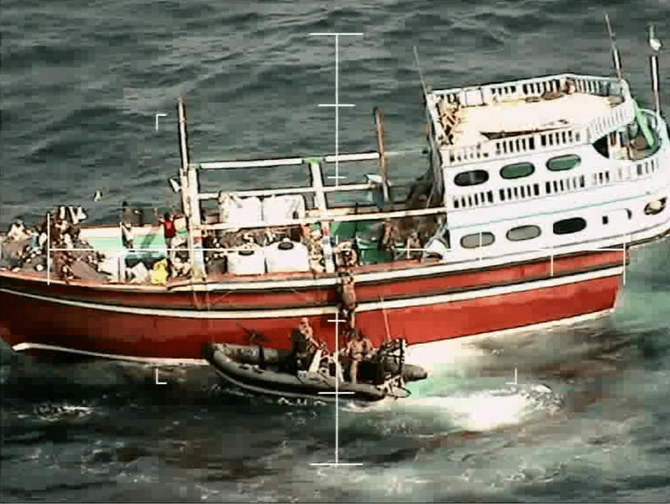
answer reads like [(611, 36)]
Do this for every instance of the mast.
[(383, 163), (189, 200), (615, 52), (655, 45)]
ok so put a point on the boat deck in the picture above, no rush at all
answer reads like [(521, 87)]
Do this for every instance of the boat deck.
[(470, 125)]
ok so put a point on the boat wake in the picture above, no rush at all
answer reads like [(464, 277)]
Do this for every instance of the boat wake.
[(476, 411)]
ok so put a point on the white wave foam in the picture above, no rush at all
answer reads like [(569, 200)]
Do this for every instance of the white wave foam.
[(55, 412), (492, 409), (476, 411)]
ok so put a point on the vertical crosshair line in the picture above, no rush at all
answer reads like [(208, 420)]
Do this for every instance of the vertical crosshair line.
[(337, 103), (337, 383), (337, 133), (337, 320)]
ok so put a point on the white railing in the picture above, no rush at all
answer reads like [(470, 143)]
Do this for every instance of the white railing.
[(528, 88), (472, 199), (612, 119), (292, 161), (599, 126), (513, 146), (633, 171)]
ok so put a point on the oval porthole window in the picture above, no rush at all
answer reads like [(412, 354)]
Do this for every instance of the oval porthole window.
[(523, 233), (476, 240), (472, 177), (562, 163), (655, 207), (517, 170), (567, 226)]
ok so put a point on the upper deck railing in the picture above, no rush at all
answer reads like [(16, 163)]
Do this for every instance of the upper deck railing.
[(651, 170), (535, 87), (600, 125)]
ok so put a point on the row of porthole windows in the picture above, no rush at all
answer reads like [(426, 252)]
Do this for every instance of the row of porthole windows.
[(527, 232), (517, 170), (561, 227)]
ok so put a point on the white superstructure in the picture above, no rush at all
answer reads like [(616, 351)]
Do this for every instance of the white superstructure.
[(547, 163)]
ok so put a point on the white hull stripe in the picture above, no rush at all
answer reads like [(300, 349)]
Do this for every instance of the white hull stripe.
[(492, 291), (420, 349), (329, 310)]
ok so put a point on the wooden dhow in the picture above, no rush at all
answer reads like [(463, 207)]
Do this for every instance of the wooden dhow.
[(536, 192)]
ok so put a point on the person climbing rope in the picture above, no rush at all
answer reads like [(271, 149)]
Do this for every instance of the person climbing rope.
[(348, 299)]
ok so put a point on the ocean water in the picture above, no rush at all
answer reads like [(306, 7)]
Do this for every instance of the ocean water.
[(588, 418)]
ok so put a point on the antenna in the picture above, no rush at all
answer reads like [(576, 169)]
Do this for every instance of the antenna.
[(615, 51)]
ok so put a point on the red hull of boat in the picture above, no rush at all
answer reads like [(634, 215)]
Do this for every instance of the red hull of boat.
[(157, 326)]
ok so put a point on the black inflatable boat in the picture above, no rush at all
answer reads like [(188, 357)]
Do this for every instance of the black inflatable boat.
[(276, 372)]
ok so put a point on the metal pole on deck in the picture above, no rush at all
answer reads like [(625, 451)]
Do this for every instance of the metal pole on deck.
[(655, 45), (383, 162), (190, 202), (615, 52)]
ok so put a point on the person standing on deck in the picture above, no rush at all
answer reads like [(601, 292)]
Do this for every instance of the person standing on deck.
[(389, 237), (169, 232), (128, 217)]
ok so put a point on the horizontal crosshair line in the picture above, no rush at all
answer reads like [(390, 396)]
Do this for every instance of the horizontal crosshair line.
[(336, 393), (335, 34), (337, 105), (335, 464)]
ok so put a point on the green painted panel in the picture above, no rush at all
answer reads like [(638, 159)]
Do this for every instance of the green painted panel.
[(642, 122)]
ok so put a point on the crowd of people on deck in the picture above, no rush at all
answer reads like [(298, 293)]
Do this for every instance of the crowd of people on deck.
[(55, 243), (56, 234)]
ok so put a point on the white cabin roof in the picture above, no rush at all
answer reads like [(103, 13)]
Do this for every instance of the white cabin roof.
[(522, 116), (513, 118)]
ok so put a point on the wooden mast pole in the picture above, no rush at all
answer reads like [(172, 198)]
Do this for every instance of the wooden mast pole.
[(615, 52), (190, 201), (383, 162)]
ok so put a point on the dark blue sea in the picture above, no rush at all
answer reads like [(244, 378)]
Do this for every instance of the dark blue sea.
[(81, 83)]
